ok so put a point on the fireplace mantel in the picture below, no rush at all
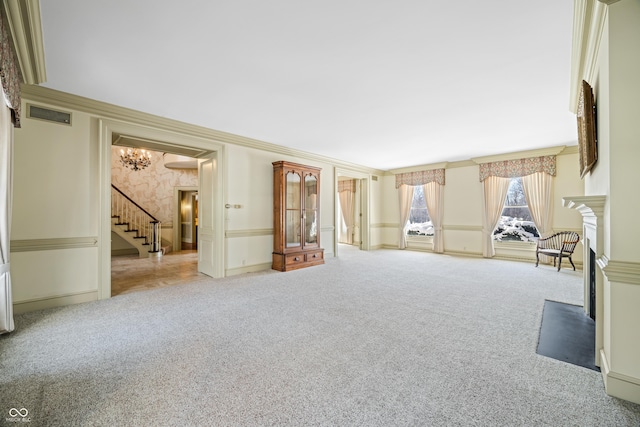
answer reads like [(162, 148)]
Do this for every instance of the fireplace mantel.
[(592, 210), (588, 206)]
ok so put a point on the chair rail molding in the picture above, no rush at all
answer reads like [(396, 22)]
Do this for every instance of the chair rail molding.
[(32, 245)]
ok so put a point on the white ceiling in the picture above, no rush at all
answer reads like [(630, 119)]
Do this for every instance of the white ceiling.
[(380, 83)]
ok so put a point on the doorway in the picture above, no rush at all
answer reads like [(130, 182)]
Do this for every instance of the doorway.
[(185, 229), (352, 209), (143, 196), (138, 136)]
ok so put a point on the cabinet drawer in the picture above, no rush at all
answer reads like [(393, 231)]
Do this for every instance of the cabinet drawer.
[(295, 259), (314, 256)]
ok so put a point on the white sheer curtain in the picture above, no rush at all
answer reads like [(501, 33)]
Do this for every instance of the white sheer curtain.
[(6, 187), (405, 197), (347, 199), (495, 193), (434, 196), (538, 189)]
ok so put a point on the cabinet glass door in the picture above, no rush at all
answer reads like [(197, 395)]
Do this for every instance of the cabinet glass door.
[(310, 210), (293, 206)]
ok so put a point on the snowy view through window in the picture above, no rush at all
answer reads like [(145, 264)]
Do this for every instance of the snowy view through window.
[(516, 223), (419, 221)]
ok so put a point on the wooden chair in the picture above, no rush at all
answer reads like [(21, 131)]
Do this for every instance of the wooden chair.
[(560, 245)]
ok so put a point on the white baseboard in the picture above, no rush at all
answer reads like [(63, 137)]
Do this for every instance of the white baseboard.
[(55, 301), (619, 385)]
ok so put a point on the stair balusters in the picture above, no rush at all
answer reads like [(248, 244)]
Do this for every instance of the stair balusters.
[(138, 221)]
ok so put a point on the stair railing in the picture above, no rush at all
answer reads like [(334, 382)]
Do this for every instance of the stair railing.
[(138, 220)]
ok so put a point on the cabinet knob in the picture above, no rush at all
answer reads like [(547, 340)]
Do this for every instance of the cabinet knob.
[(315, 255), (296, 259)]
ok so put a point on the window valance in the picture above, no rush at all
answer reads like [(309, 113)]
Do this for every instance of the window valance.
[(9, 70), (348, 185), (519, 167), (420, 177)]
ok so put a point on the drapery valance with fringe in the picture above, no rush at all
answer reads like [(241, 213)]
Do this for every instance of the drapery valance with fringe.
[(347, 185), (519, 167), (10, 74), (420, 177)]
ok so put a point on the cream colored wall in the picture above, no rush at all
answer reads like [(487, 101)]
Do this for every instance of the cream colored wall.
[(250, 227), (568, 183), (55, 198), (462, 221), (375, 208), (54, 182), (386, 228), (616, 175), (247, 183)]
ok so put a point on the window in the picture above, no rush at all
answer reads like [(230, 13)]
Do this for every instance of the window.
[(516, 223), (419, 220)]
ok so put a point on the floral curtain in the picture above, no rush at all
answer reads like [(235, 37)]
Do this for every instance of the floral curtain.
[(347, 185), (10, 74), (519, 167), (420, 177)]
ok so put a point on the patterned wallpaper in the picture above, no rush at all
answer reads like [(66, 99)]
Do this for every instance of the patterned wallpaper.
[(151, 188)]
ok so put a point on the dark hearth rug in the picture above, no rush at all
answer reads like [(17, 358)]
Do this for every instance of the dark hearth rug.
[(567, 334)]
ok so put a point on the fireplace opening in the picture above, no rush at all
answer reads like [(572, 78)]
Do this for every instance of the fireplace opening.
[(592, 284)]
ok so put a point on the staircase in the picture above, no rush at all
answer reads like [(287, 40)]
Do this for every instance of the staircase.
[(135, 225)]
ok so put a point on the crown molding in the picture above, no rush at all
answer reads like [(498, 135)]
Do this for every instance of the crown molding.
[(26, 30), (115, 112), (432, 166), (551, 151), (572, 149), (588, 24)]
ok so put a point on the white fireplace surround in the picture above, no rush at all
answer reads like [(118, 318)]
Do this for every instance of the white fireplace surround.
[(592, 210)]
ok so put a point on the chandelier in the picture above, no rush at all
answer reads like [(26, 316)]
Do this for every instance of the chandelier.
[(135, 160)]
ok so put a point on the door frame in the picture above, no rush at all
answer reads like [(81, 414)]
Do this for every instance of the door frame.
[(177, 223), (172, 141), (363, 180)]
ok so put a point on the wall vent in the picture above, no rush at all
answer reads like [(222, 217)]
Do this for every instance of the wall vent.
[(42, 113), (374, 178)]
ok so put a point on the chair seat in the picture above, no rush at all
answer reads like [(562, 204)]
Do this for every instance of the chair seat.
[(553, 252)]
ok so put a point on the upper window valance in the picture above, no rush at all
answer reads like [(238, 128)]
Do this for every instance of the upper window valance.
[(10, 71), (519, 167), (347, 185), (420, 177)]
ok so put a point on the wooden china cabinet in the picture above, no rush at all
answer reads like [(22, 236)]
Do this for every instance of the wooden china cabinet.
[(296, 216)]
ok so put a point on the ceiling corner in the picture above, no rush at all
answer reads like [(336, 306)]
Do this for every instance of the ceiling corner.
[(26, 30)]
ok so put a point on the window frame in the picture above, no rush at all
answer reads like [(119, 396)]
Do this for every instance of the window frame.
[(524, 244), (418, 237)]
